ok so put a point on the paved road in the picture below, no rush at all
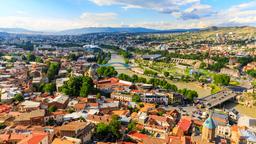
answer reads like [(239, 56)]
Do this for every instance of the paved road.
[(218, 98)]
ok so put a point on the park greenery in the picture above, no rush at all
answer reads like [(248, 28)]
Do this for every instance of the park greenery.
[(133, 78), (221, 79), (252, 73), (190, 95), (78, 86), (106, 71)]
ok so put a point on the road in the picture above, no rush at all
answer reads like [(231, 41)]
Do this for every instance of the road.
[(218, 98)]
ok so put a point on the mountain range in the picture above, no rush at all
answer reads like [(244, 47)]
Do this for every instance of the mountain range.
[(89, 30)]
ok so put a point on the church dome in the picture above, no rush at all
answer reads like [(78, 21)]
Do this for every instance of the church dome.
[(209, 123)]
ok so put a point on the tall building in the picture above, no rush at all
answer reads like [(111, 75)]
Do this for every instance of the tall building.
[(208, 132)]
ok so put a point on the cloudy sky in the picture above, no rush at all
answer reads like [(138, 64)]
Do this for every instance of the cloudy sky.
[(54, 15)]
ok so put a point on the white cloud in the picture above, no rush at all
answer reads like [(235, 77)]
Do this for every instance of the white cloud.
[(96, 17), (35, 23), (195, 15), (166, 6)]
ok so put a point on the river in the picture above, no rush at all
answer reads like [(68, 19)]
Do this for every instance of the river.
[(115, 58)]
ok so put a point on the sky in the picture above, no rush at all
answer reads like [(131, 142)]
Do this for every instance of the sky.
[(56, 15)]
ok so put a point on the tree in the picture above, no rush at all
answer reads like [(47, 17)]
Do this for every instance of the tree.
[(2, 126), (18, 97), (114, 126), (53, 70), (221, 79), (78, 86), (189, 94), (102, 129), (31, 57), (136, 98), (166, 74), (203, 65), (39, 60), (85, 89), (52, 108), (98, 96), (49, 87), (131, 126), (72, 57), (106, 71), (251, 73)]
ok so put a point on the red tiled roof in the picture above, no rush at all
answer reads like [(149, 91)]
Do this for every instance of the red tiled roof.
[(137, 135), (35, 138), (184, 124)]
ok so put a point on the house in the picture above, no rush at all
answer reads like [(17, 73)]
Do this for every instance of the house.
[(230, 72), (175, 98), (61, 102), (57, 116), (66, 140), (155, 98), (74, 116), (79, 106), (158, 124), (35, 138), (4, 108), (98, 119), (121, 96), (27, 106), (184, 124), (115, 105), (76, 129), (60, 82), (137, 136), (35, 117), (108, 85)]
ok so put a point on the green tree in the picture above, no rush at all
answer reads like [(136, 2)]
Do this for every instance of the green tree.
[(78, 86), (39, 60), (18, 97), (102, 129), (221, 79), (52, 108), (31, 57), (49, 87), (106, 71), (114, 126), (189, 94), (98, 96), (166, 74), (53, 70), (131, 126), (203, 65), (136, 98)]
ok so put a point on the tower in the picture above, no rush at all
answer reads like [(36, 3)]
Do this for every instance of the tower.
[(208, 131)]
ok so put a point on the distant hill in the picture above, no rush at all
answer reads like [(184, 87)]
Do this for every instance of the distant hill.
[(19, 31), (89, 30), (105, 30), (119, 30)]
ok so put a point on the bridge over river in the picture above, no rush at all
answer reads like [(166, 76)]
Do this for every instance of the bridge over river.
[(218, 98), (118, 65)]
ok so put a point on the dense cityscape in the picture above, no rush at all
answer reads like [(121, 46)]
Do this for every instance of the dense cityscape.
[(136, 84)]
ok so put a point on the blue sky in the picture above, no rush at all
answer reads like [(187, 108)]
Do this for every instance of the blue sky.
[(53, 15)]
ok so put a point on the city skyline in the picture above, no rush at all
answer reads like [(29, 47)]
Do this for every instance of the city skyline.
[(55, 15)]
